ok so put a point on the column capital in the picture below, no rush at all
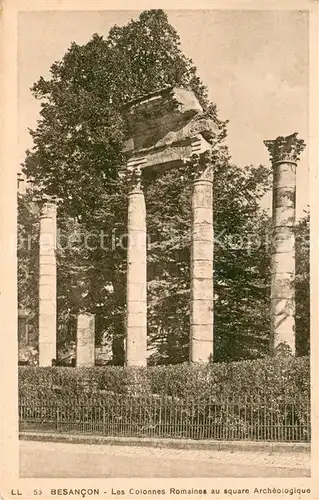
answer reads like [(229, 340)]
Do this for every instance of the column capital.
[(200, 166), (285, 149), (134, 178), (48, 204)]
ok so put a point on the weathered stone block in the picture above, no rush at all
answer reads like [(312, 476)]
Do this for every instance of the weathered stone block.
[(151, 117), (136, 347), (285, 175), (202, 288), (137, 270), (202, 250), (282, 286), (85, 341), (137, 291), (136, 319), (284, 327), (202, 348), (283, 306), (203, 231), (202, 215), (203, 195), (284, 197), (201, 312), (203, 269), (284, 241), (162, 127), (284, 216), (281, 264)]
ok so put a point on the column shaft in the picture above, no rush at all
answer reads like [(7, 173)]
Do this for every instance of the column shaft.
[(47, 285), (201, 313), (284, 154), (136, 338), (283, 258)]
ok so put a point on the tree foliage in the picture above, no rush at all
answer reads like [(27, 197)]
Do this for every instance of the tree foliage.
[(303, 286)]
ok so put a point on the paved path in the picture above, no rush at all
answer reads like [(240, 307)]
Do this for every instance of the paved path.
[(63, 460)]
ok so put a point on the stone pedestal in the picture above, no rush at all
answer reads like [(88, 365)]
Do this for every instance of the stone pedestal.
[(47, 284), (136, 337), (284, 156), (202, 295), (85, 340)]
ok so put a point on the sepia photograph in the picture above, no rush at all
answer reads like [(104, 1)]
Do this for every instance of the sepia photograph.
[(162, 249)]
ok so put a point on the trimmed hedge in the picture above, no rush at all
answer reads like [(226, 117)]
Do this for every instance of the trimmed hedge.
[(267, 378)]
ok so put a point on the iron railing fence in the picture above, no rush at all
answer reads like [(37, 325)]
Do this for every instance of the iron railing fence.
[(258, 419)]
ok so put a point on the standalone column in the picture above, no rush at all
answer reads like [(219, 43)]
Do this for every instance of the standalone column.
[(284, 152), (85, 340), (136, 336), (47, 284), (201, 311)]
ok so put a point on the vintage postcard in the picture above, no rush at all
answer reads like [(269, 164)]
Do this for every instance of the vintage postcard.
[(159, 249)]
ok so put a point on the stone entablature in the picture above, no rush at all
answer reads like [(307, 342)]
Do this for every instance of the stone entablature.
[(163, 128)]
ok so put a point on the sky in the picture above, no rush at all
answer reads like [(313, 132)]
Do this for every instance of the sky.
[(254, 63)]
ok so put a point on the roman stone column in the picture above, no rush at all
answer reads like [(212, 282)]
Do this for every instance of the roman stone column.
[(47, 283), (284, 153), (136, 335), (202, 247), (85, 340)]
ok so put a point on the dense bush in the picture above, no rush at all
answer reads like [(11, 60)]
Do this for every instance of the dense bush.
[(266, 399), (269, 377)]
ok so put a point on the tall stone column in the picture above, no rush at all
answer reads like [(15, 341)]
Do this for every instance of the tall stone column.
[(136, 336), (85, 340), (47, 284), (284, 154), (202, 248)]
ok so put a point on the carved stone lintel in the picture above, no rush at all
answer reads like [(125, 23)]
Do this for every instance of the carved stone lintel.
[(163, 126), (150, 117), (286, 148)]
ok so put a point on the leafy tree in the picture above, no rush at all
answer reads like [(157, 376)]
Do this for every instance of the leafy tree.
[(77, 156), (79, 138), (303, 286)]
